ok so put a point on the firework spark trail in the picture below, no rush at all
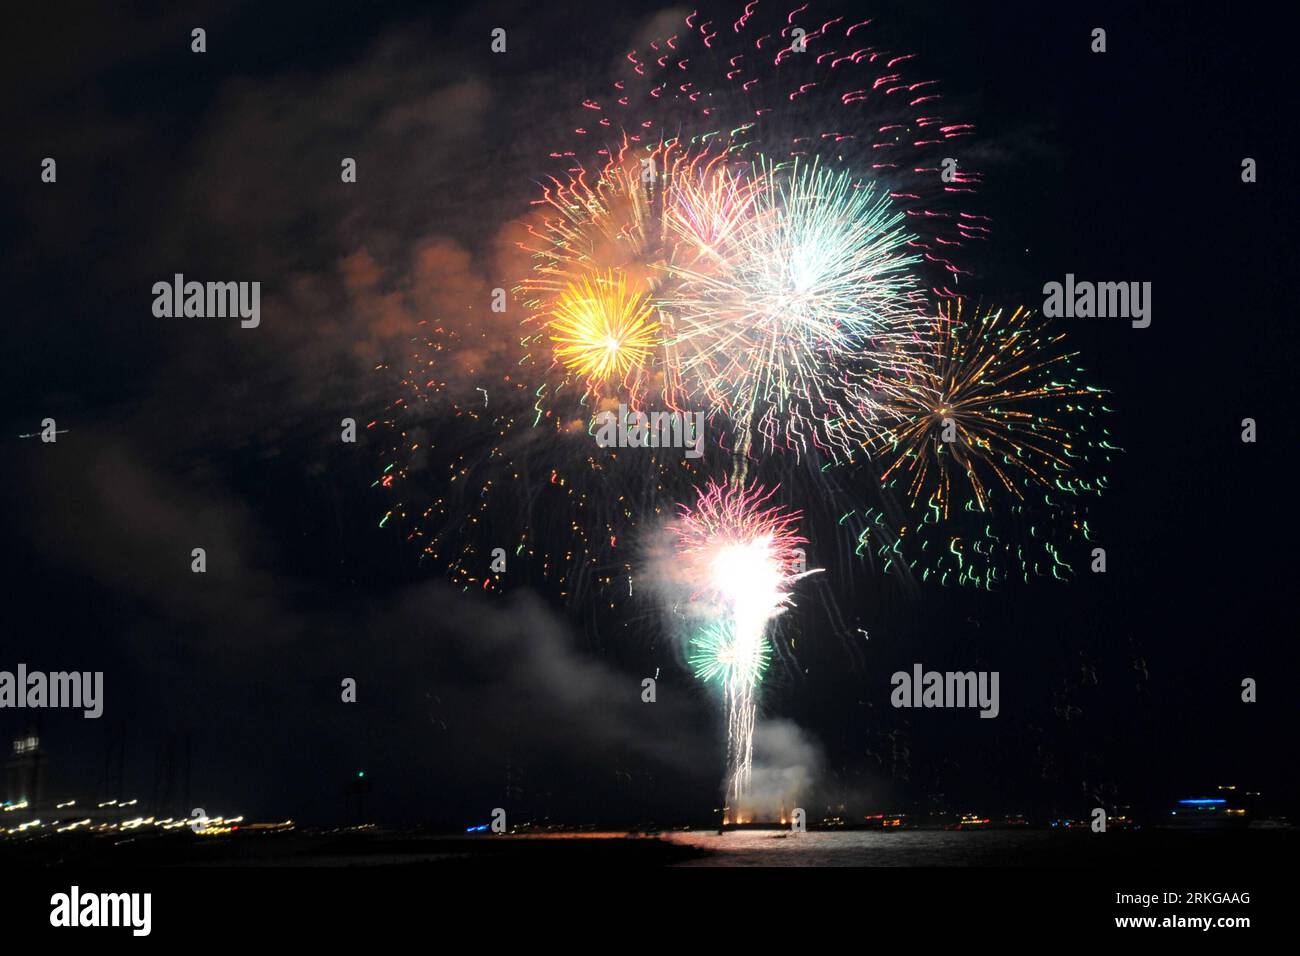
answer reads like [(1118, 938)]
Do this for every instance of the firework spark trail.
[(786, 81), (1005, 390), (742, 555), (995, 420), (604, 229), (783, 292), (802, 313), (793, 177)]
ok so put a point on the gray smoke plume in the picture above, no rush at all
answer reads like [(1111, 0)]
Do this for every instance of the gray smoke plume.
[(786, 765)]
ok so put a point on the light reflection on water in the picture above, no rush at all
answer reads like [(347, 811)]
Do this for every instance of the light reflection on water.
[(875, 848)]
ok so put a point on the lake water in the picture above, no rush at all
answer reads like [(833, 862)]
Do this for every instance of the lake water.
[(1064, 848)]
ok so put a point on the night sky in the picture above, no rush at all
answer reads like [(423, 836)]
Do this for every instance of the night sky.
[(186, 433)]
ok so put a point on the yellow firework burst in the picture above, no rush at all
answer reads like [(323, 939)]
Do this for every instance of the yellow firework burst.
[(601, 328)]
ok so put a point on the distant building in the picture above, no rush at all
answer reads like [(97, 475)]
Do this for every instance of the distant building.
[(25, 772)]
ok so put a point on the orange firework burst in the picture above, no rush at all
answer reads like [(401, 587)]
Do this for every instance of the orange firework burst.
[(601, 329)]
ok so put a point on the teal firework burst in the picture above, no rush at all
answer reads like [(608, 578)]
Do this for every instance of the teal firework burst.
[(798, 317), (717, 655)]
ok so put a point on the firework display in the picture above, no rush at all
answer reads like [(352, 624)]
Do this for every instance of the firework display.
[(785, 322), (740, 554), (601, 330), (987, 411), (754, 224), (997, 425), (582, 439)]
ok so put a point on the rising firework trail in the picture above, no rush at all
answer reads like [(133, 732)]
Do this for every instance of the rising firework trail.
[(741, 558)]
